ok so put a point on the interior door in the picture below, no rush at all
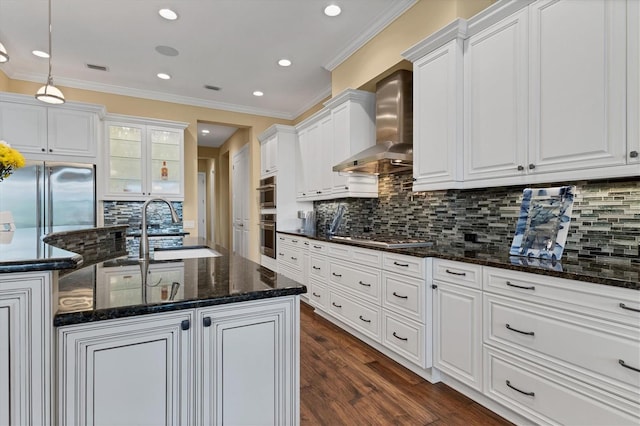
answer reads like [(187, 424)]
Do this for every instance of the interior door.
[(240, 191)]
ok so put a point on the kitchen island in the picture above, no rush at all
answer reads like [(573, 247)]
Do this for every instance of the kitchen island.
[(206, 340)]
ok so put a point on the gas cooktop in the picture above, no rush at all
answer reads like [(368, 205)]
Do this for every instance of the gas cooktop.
[(383, 241)]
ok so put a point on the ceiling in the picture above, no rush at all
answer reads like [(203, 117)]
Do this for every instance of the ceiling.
[(231, 44)]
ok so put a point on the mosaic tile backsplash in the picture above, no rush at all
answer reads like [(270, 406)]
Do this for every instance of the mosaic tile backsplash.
[(158, 221), (605, 219)]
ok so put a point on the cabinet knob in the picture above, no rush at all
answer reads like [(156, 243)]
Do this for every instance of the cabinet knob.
[(50, 150), (185, 324), (520, 167), (43, 150), (433, 286), (346, 188), (206, 321), (532, 166), (633, 154), (267, 170)]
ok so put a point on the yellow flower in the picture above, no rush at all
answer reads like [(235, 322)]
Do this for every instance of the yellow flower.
[(10, 159)]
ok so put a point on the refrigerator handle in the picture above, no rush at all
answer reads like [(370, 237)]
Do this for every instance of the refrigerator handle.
[(49, 201), (39, 199)]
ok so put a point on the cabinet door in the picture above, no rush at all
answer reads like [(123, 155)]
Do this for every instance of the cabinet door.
[(302, 186), (313, 163), (125, 167), (132, 371), (24, 127), (24, 350), (325, 157), (438, 118), (457, 333), (495, 89), (577, 86), (72, 132), (341, 149), (164, 165), (633, 84), (269, 156), (248, 369)]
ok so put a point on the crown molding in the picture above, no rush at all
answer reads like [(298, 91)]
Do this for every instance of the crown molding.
[(396, 8)]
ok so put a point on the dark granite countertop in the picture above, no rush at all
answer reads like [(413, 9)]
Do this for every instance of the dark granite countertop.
[(113, 288), (609, 271), (23, 250)]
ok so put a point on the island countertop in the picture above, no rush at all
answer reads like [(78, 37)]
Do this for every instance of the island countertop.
[(113, 288)]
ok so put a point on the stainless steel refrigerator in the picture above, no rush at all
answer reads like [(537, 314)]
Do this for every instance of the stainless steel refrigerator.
[(50, 197)]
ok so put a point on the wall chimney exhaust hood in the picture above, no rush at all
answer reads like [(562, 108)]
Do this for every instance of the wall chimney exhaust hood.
[(393, 151)]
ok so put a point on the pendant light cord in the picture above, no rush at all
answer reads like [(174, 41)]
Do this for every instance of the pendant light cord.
[(50, 48)]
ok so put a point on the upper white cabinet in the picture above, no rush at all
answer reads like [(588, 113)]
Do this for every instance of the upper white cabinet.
[(437, 113), (633, 84), (269, 156), (39, 132), (143, 158), (496, 67), (343, 128)]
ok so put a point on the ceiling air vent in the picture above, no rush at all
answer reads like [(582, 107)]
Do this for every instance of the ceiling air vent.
[(210, 87), (96, 67)]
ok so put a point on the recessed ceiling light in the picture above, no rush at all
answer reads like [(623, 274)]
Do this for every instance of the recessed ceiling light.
[(168, 14), (164, 76), (284, 62), (40, 54), (332, 10), (205, 132), (258, 93)]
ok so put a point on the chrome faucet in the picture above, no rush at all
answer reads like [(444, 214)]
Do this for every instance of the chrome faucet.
[(144, 237)]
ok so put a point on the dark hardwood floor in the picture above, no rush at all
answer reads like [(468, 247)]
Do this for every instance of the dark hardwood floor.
[(345, 382)]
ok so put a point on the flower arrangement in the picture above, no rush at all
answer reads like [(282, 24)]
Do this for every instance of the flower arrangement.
[(10, 159)]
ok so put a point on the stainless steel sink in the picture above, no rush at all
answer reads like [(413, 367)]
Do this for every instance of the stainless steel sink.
[(384, 242)]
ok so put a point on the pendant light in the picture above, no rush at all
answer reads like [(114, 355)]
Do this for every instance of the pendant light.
[(4, 56), (50, 93)]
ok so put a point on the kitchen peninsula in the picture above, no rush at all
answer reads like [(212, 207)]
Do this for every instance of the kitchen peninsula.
[(206, 340)]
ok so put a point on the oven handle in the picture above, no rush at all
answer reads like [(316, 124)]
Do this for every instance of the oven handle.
[(267, 225), (266, 187)]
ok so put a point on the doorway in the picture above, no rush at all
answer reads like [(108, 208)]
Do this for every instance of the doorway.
[(240, 204)]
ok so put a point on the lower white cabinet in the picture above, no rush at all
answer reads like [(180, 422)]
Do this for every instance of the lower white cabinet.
[(229, 364), (25, 339)]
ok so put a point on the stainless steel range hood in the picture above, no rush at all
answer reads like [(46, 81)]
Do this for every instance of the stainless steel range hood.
[(393, 151)]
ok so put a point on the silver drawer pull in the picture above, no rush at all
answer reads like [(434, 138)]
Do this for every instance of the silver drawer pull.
[(401, 297), (623, 306), (362, 319), (315, 294), (306, 243), (364, 284), (622, 363), (518, 390), (294, 241), (460, 274), (336, 275), (318, 247), (400, 264), (399, 338), (528, 333), (317, 268), (294, 258), (337, 306), (281, 239), (510, 284), (281, 254)]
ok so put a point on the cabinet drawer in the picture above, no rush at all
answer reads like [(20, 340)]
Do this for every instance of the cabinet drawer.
[(318, 295), (291, 240), (290, 257), (460, 273), (550, 398), (317, 247), (341, 251), (318, 267), (407, 265), (366, 256), (607, 302), (403, 295), (586, 345), (363, 281), (404, 337), (361, 315)]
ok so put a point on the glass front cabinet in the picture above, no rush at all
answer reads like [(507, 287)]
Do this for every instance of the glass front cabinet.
[(144, 158)]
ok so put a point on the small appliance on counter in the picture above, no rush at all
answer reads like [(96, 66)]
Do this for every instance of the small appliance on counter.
[(308, 218)]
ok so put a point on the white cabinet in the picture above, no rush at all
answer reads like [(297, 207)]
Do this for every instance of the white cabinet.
[(343, 128), (633, 85), (235, 364), (437, 113), (248, 364), (25, 348), (268, 156), (143, 158), (496, 71), (127, 371), (62, 132)]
